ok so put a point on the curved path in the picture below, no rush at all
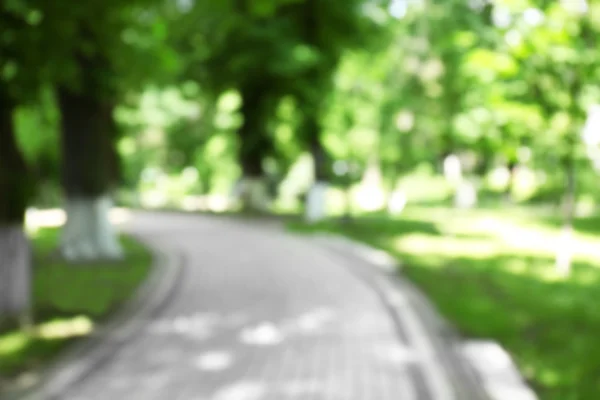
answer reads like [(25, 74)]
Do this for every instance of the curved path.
[(260, 314)]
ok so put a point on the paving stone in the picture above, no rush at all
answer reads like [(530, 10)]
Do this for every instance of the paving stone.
[(259, 315)]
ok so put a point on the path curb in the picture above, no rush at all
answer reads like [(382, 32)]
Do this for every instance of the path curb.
[(77, 362), (446, 342)]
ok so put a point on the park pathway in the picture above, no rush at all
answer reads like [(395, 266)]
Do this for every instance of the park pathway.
[(261, 315)]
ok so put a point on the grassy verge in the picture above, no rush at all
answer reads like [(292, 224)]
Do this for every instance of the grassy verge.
[(68, 301), (491, 273)]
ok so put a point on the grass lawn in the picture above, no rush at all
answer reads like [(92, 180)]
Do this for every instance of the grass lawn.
[(491, 273), (68, 301)]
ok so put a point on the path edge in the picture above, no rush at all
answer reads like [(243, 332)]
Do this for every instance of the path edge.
[(445, 339), (79, 360)]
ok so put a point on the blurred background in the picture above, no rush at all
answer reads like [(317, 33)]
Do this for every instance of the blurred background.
[(498, 93), (460, 135)]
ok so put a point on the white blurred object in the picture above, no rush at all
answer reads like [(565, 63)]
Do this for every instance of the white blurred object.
[(591, 129), (316, 202), (466, 195), (575, 6), (453, 169), (397, 202), (214, 361), (88, 233), (264, 334), (499, 374), (591, 135), (370, 198)]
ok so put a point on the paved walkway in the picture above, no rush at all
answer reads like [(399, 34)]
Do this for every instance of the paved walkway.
[(260, 314)]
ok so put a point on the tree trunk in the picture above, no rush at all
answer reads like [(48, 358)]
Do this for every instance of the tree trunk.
[(87, 175), (255, 145), (111, 139), (565, 248), (15, 191), (564, 252), (316, 202), (512, 171), (15, 272), (253, 194), (316, 199)]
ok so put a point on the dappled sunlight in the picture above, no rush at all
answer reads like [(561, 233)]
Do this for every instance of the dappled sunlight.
[(396, 354), (480, 235), (53, 218), (451, 134), (517, 266), (298, 388), (244, 390), (451, 247), (56, 329), (198, 326), (213, 361), (258, 390), (264, 334), (19, 345), (206, 326), (520, 237), (13, 342), (68, 299), (502, 263), (309, 323), (67, 328), (44, 218)]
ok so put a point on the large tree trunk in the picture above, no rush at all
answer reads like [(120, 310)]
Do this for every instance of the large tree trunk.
[(15, 271), (15, 191), (311, 102), (113, 134), (88, 171), (255, 145)]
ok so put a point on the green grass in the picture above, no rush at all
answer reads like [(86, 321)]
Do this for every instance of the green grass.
[(491, 273), (68, 301)]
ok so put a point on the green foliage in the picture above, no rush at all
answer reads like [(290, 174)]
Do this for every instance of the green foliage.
[(124, 43), (68, 299), (37, 126), (502, 265), (506, 83)]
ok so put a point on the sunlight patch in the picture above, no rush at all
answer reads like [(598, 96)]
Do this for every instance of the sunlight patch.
[(62, 329), (241, 391), (265, 334), (396, 354), (214, 361), (315, 320), (517, 266), (199, 326), (300, 388), (448, 246), (13, 343)]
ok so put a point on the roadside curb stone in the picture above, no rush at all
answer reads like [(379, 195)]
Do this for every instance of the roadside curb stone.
[(81, 359), (447, 344)]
